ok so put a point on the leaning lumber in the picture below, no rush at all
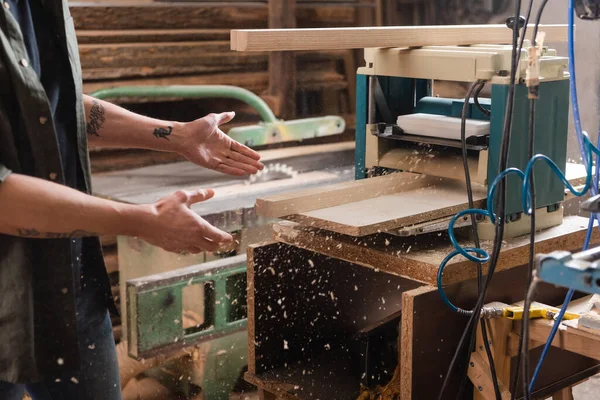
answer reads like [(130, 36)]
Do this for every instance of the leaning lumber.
[(190, 15), (393, 36)]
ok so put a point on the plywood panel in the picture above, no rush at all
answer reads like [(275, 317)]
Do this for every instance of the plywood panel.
[(391, 211), (397, 36), (309, 200), (419, 257)]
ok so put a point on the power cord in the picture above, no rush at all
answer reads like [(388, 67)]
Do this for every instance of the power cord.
[(499, 230), (474, 91), (523, 345)]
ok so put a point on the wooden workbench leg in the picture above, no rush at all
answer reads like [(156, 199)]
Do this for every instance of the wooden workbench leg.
[(565, 394), (498, 330)]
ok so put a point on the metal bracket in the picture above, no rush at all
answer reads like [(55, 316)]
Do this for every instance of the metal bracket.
[(287, 131), (155, 306), (577, 271)]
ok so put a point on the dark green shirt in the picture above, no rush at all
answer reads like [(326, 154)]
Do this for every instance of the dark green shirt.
[(42, 134)]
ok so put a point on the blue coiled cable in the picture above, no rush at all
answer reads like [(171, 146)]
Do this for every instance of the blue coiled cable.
[(479, 255)]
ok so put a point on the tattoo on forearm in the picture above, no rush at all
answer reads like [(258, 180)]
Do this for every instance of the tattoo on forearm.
[(33, 233), (162, 133), (96, 118)]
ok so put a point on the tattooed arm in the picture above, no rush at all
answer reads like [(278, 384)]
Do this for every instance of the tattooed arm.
[(35, 208), (201, 141)]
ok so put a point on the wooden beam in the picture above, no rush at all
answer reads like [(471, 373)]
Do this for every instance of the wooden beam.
[(191, 15), (569, 337), (282, 66), (398, 36), (147, 61), (150, 35), (254, 81)]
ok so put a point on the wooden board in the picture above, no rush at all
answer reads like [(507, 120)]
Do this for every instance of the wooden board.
[(149, 35), (569, 336), (189, 15), (418, 258), (254, 81), (309, 200), (398, 36), (406, 206), (148, 60)]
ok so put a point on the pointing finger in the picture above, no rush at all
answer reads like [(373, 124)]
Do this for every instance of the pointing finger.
[(196, 196)]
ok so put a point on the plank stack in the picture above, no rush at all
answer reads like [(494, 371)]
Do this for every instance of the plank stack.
[(165, 43)]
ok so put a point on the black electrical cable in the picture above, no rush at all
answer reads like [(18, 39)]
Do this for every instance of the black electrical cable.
[(522, 355), (525, 337), (500, 205), (474, 89), (483, 110), (538, 18), (524, 346)]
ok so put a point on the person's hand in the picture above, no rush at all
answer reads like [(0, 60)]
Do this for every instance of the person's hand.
[(172, 225), (203, 143)]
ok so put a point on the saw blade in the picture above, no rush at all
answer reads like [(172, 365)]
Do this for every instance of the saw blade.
[(272, 172)]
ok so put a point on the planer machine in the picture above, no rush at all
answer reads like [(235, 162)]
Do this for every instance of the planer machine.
[(402, 126)]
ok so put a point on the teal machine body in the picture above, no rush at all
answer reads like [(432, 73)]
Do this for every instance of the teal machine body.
[(384, 91)]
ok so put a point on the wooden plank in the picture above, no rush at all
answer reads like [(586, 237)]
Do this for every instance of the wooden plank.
[(479, 374), (129, 54), (189, 15), (405, 207), (103, 64), (397, 36), (419, 258), (282, 65), (313, 199), (253, 81), (134, 72), (149, 35), (569, 337)]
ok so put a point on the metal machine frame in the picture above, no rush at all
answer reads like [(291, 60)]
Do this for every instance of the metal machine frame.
[(405, 76)]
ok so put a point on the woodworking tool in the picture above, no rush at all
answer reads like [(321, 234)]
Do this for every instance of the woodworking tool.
[(155, 306), (272, 172), (516, 313), (579, 271), (401, 126), (231, 210), (269, 131)]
